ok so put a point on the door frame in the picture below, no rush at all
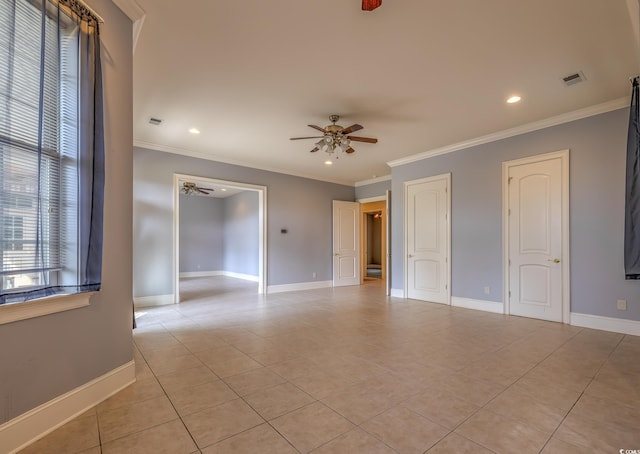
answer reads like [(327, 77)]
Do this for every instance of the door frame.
[(262, 227), (365, 209), (387, 223), (405, 259), (565, 264)]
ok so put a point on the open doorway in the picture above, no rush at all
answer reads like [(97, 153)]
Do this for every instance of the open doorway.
[(373, 240), (219, 231)]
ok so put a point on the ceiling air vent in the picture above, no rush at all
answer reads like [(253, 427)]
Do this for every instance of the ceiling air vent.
[(155, 121), (574, 78)]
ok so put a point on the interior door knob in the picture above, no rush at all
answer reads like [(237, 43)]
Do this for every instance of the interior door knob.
[(410, 255), (553, 260)]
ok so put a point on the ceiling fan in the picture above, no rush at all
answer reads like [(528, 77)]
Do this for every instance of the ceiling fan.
[(336, 137), (189, 188)]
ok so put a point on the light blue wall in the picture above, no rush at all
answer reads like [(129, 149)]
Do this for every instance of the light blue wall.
[(378, 189), (241, 233), (597, 173), (301, 205), (45, 357), (201, 234)]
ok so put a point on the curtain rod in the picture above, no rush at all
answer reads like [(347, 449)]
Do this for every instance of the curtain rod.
[(82, 4), (92, 11)]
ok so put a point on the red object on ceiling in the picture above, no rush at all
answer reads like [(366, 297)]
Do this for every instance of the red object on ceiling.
[(370, 5)]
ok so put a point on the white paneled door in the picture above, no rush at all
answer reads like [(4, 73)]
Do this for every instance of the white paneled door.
[(427, 239), (535, 238), (346, 243)]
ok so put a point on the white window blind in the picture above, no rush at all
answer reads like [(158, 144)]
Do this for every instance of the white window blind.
[(38, 130)]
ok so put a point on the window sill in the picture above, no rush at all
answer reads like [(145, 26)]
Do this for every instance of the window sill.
[(10, 313)]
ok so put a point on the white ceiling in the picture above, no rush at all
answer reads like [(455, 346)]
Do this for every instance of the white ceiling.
[(417, 74)]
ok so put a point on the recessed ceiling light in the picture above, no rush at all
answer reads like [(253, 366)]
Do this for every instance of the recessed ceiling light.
[(329, 163), (194, 131), (224, 189), (514, 99)]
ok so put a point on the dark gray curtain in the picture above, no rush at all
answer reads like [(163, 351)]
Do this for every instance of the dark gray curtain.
[(632, 201)]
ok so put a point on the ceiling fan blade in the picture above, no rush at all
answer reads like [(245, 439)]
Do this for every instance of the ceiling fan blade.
[(349, 150), (204, 190), (298, 138), (352, 128), (317, 127), (362, 139), (315, 149)]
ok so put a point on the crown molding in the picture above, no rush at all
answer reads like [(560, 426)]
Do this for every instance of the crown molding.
[(131, 9), (372, 181), (208, 157), (518, 130), (136, 14)]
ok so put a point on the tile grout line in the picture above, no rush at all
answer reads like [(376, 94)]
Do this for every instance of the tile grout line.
[(374, 318), (582, 394), (169, 399), (483, 407)]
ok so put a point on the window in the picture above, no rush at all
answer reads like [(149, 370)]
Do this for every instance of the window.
[(13, 233), (51, 163)]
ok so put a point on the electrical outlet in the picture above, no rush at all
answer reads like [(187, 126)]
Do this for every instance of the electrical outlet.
[(487, 290), (622, 305), (315, 275)]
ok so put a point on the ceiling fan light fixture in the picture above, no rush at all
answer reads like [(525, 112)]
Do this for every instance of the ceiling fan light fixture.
[(345, 145), (320, 144), (188, 188)]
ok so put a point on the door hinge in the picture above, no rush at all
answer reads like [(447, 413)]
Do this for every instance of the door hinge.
[(509, 293), (510, 178), (509, 211)]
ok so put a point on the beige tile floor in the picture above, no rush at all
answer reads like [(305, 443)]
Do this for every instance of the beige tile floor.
[(348, 370)]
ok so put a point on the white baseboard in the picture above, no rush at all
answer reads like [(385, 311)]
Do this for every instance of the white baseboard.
[(201, 273), (153, 300), (480, 305), (35, 424), (616, 325), (397, 293), (299, 286), (246, 277)]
